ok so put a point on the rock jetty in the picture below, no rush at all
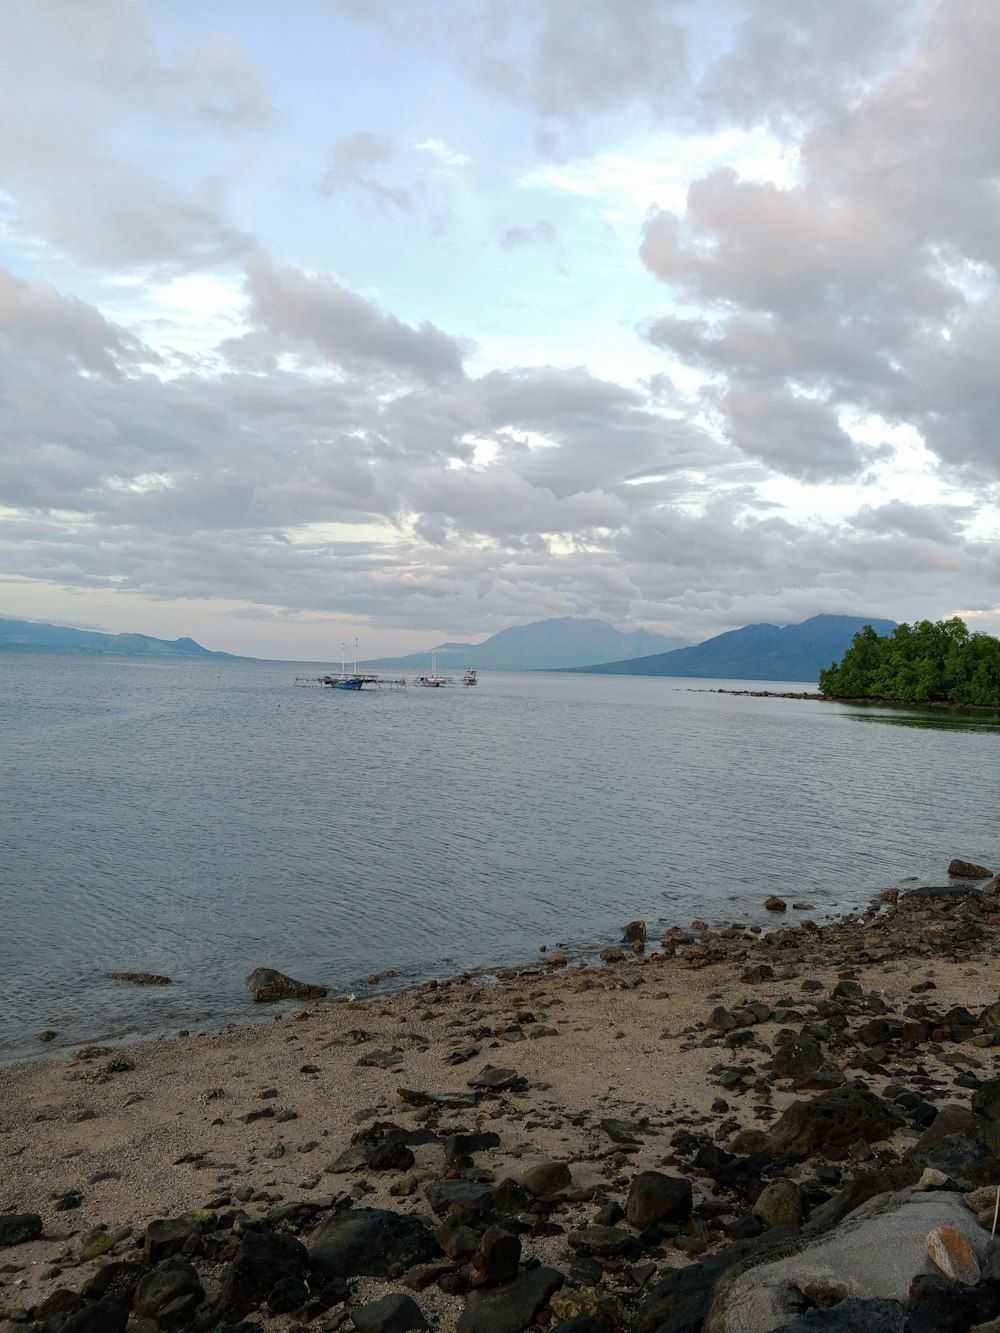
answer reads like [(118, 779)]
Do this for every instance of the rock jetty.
[(725, 1130)]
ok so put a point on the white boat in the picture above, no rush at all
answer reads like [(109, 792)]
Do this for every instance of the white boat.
[(433, 681), (470, 676)]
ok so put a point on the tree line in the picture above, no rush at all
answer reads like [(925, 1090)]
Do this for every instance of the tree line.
[(926, 662)]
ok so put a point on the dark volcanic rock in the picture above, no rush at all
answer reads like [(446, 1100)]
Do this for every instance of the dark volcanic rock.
[(512, 1307), (968, 870), (655, 1197), (835, 1118), (119, 1279), (266, 985), (853, 1316), (108, 1316), (796, 1058), (262, 1261), (371, 1242), (139, 978), (496, 1258), (396, 1313), (170, 1295), (462, 1200), (16, 1228)]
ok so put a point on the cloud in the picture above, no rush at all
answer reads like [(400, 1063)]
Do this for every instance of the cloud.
[(858, 287), (35, 313), (345, 328), (541, 233), (354, 159)]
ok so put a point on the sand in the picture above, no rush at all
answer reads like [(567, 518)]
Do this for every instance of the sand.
[(153, 1130)]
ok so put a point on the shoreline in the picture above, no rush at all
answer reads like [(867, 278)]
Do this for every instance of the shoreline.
[(608, 1068), (945, 704)]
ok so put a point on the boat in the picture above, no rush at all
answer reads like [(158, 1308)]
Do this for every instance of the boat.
[(470, 676), (433, 681)]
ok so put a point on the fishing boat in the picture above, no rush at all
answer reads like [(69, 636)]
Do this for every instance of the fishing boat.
[(470, 676), (433, 681)]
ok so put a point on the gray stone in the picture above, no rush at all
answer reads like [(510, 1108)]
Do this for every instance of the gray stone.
[(263, 1260), (874, 1254), (464, 1201), (496, 1258), (837, 1117)]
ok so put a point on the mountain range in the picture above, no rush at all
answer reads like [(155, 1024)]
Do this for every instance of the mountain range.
[(31, 636), (544, 645), (756, 652)]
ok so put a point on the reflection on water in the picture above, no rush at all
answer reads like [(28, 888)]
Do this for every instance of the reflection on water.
[(202, 819), (938, 719)]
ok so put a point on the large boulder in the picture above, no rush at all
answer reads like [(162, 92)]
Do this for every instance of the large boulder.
[(874, 1254), (371, 1242), (835, 1118), (509, 1308), (266, 985), (263, 1260), (655, 1197)]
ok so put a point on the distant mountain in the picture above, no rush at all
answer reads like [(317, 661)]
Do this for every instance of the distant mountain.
[(27, 636), (756, 652), (544, 645)]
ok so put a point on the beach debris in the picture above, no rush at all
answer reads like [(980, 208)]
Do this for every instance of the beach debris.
[(266, 985)]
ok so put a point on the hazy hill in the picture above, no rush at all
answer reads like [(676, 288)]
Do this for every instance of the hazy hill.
[(542, 645), (27, 636), (757, 652)]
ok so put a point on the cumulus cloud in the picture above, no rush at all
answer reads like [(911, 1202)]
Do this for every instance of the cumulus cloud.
[(345, 328), (857, 287)]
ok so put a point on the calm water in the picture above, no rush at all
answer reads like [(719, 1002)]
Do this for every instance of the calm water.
[(200, 820)]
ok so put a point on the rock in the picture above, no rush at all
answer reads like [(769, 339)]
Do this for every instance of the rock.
[(139, 978), (118, 1279), (853, 1316), (496, 1258), (171, 1235), (546, 1178), (602, 1308), (170, 1295), (266, 986), (797, 1058), (17, 1228), (835, 1118), (775, 904), (721, 1019), (600, 1240), (986, 1100), (634, 933), (369, 1155), (780, 1204), (264, 1259), (463, 1201), (494, 1079), (107, 1316), (370, 1242), (512, 1307), (622, 1131), (655, 1197), (953, 1255), (873, 1254), (934, 1180), (968, 870), (395, 1313)]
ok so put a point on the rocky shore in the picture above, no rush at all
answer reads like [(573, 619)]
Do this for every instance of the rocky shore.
[(726, 1130)]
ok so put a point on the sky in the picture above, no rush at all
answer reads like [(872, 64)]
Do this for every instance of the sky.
[(412, 320)]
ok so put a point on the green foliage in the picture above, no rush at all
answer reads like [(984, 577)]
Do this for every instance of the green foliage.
[(926, 662)]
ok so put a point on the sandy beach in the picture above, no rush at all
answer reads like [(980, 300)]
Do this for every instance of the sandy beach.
[(245, 1121)]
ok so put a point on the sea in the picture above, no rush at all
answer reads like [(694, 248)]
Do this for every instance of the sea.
[(199, 819)]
